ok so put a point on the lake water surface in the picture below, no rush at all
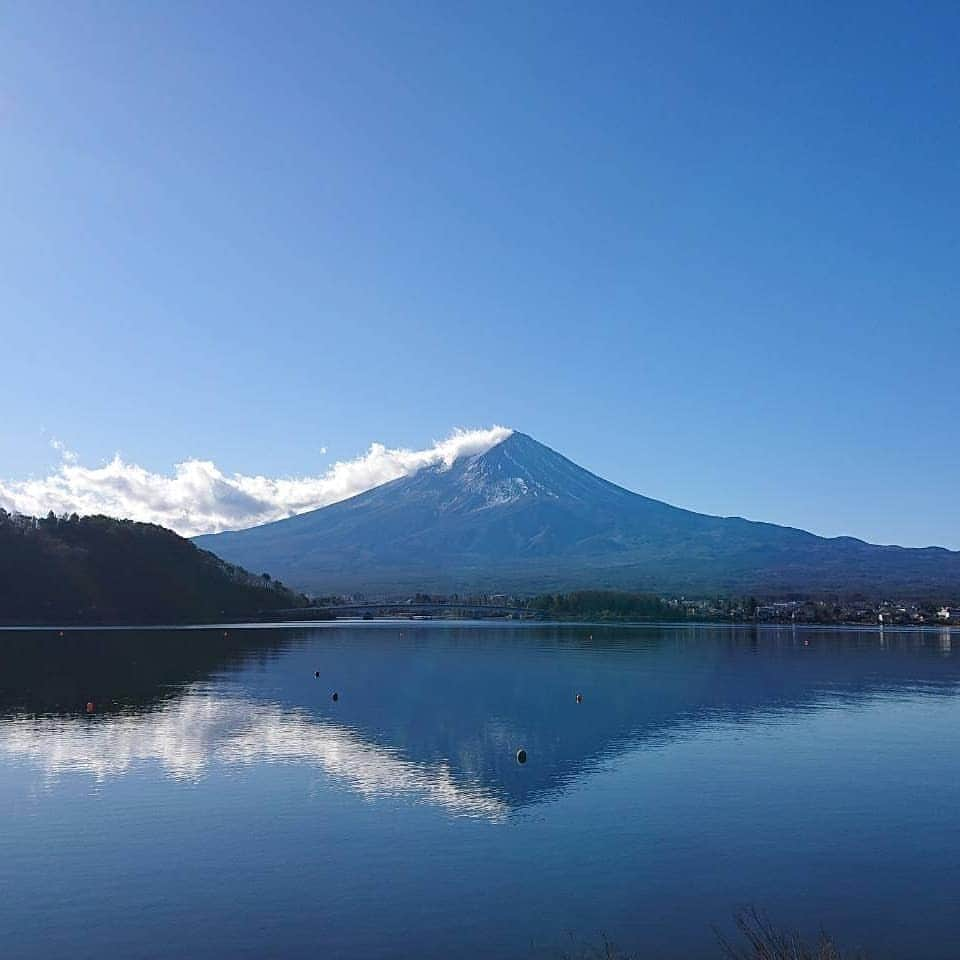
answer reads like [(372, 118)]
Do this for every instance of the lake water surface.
[(219, 803)]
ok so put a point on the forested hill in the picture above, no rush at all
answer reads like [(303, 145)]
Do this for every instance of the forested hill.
[(100, 570)]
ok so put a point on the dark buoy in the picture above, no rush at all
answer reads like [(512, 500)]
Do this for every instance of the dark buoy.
[(90, 706), (579, 698), (521, 755), (336, 696), (316, 673)]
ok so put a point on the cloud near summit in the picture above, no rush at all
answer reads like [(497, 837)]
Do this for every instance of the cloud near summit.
[(199, 498)]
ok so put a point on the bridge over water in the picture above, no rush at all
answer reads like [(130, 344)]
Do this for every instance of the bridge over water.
[(403, 609)]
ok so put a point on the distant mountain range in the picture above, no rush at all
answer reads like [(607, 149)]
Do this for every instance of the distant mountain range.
[(522, 518)]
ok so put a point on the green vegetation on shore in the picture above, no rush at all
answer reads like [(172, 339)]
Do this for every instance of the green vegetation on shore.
[(604, 605), (65, 570)]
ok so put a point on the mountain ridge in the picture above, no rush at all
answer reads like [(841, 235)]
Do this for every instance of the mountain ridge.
[(521, 517)]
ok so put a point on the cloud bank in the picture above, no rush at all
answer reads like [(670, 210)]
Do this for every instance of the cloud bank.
[(199, 498)]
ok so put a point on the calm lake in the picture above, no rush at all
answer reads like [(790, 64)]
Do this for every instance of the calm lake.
[(219, 803)]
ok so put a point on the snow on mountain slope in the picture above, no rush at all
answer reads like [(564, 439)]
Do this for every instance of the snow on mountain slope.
[(521, 517)]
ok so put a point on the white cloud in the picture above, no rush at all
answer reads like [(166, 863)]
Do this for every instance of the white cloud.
[(199, 498), (66, 455)]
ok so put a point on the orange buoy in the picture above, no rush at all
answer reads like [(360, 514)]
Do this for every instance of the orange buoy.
[(90, 706), (521, 755)]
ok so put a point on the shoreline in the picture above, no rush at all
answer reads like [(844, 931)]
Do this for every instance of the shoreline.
[(484, 622)]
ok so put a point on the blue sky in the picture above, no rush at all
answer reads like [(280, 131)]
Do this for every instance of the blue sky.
[(708, 251)]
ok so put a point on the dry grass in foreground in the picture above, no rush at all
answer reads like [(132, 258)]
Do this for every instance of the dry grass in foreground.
[(758, 939)]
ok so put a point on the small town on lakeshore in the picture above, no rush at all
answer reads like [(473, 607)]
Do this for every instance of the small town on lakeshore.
[(611, 605)]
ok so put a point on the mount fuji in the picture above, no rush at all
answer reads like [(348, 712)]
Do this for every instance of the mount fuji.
[(522, 518)]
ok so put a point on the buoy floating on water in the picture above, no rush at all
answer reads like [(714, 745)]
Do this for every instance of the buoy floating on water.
[(521, 755), (316, 673), (336, 696), (579, 698), (90, 706), (60, 634)]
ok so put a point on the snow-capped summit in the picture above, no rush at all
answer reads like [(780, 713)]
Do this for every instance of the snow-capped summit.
[(521, 517)]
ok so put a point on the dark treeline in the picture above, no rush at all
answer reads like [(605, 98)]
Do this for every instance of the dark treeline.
[(604, 605), (100, 570)]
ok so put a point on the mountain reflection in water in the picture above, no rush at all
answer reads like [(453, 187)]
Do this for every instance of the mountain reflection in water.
[(433, 713), (219, 802)]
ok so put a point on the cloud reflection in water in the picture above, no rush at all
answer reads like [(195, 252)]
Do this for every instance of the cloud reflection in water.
[(188, 735)]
